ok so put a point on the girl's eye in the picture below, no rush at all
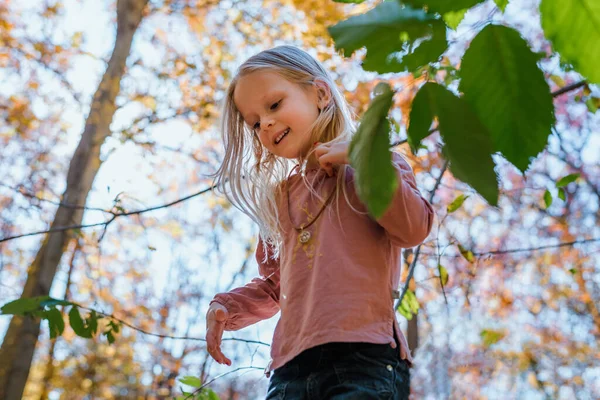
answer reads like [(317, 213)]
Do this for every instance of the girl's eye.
[(256, 126), (275, 105)]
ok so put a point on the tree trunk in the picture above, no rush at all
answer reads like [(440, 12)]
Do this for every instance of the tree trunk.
[(17, 349), (412, 329), (49, 373)]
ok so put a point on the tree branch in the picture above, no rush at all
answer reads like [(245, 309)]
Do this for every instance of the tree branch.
[(518, 250), (160, 335), (114, 216), (191, 395), (569, 88)]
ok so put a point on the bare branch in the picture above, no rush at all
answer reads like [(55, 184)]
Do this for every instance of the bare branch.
[(21, 190), (114, 216), (569, 88), (160, 335), (191, 395)]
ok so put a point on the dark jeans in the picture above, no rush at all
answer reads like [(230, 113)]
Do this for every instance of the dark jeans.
[(343, 371)]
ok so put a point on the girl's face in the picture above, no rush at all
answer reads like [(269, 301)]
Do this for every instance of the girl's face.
[(278, 111)]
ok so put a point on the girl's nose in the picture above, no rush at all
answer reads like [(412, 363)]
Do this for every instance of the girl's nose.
[(269, 123)]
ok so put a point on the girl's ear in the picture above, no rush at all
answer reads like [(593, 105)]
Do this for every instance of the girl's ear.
[(323, 93)]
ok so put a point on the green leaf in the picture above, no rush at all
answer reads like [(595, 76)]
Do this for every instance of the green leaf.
[(56, 323), (506, 89), (456, 203), (384, 30), (573, 27), (428, 51), (191, 381), (115, 326), (467, 254), (405, 313), (442, 6), (443, 274), (562, 194), (547, 198), (467, 143), (573, 271), (212, 395), (369, 154), (565, 180), (110, 337), (77, 323), (501, 4), (593, 104), (491, 337), (453, 18), (409, 305), (92, 322), (23, 306)]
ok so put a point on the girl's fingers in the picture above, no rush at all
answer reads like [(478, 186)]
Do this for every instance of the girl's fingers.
[(215, 321), (213, 346)]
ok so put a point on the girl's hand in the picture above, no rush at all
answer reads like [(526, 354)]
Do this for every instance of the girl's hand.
[(332, 153), (215, 324)]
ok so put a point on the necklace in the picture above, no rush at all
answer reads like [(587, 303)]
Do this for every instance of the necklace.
[(303, 235)]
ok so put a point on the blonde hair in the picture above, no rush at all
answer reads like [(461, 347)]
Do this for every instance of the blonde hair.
[(251, 177)]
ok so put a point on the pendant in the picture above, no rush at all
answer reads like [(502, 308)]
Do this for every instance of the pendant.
[(304, 236)]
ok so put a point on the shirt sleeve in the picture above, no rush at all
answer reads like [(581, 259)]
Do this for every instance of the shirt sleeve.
[(409, 218), (258, 299)]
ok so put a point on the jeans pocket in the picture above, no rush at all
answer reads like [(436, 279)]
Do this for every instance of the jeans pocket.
[(280, 381), (378, 354), (371, 369)]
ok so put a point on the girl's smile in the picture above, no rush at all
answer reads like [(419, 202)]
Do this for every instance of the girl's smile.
[(279, 112)]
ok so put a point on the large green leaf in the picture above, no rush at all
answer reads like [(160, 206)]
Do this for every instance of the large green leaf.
[(573, 27), (55, 322), (22, 306), (28, 305), (384, 30), (428, 51), (370, 155), (77, 323), (467, 143), (501, 81), (442, 6)]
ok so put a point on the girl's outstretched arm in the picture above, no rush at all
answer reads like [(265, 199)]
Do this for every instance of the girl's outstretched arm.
[(258, 299), (243, 306), (409, 218)]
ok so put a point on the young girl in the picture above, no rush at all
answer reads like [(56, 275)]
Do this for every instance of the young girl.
[(330, 268)]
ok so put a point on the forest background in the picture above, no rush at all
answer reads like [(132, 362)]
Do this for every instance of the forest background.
[(499, 302)]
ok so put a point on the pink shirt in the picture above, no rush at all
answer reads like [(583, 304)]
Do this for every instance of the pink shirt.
[(337, 287)]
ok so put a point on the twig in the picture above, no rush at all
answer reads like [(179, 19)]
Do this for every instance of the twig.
[(160, 335), (220, 376), (114, 216), (56, 203), (569, 88), (517, 250)]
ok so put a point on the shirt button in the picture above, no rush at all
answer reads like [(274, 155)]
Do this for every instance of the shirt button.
[(389, 367)]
